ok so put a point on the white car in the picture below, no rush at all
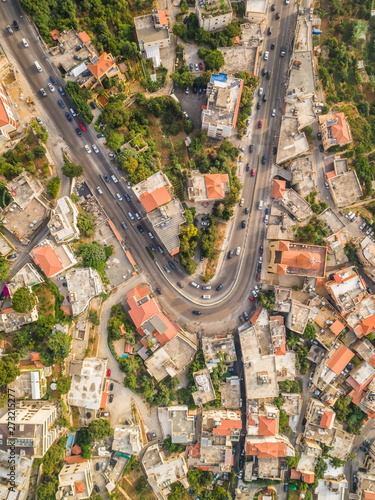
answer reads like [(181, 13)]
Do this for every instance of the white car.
[(87, 148), (131, 215), (266, 54), (238, 250), (118, 196), (73, 113), (273, 112), (151, 235), (99, 190), (114, 178), (137, 216), (196, 67), (95, 149), (39, 120), (51, 87), (24, 41)]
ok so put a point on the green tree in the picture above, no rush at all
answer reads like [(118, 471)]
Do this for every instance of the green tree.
[(99, 429), (63, 385), (94, 318), (267, 300), (40, 151), (141, 485), (214, 60), (115, 140), (293, 461), (320, 468), (336, 462), (9, 370), (92, 254), (86, 223), (70, 169), (4, 268), (59, 346), (23, 300), (54, 187), (310, 332)]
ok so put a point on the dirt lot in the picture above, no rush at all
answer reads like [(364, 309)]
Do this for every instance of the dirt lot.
[(212, 263), (128, 485), (46, 300)]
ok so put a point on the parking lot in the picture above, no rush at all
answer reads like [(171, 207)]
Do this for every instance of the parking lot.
[(192, 104)]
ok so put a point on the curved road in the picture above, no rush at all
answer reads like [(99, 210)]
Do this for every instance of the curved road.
[(237, 274)]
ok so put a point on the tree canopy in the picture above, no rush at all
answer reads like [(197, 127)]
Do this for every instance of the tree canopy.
[(71, 169), (23, 300), (9, 368)]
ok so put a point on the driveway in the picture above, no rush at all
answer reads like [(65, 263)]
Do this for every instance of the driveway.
[(120, 409)]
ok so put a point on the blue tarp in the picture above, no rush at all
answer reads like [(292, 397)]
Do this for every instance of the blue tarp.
[(221, 77)]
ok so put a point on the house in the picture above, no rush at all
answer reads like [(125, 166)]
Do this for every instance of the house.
[(152, 34), (162, 470), (207, 187), (346, 289), (155, 328), (298, 316), (52, 259), (256, 11), (103, 66), (63, 222), (10, 320), (32, 382), (205, 390), (83, 284), (127, 439), (89, 385), (24, 188), (27, 276), (360, 376), (181, 423), (311, 451), (219, 348), (320, 421), (75, 480), (213, 15), (335, 130), (153, 192), (166, 221), (33, 432), (297, 259), (14, 486), (8, 121), (332, 365), (299, 208), (219, 115), (344, 185)]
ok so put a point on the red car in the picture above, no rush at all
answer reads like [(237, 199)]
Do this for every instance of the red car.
[(108, 372), (253, 172), (252, 299), (260, 124), (200, 66), (82, 126), (257, 277)]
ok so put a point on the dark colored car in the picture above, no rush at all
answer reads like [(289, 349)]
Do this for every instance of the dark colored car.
[(268, 75), (319, 136), (111, 386), (243, 224), (185, 20), (259, 105), (111, 398), (260, 250), (230, 254), (179, 284), (246, 316), (274, 150), (195, 89), (152, 248), (220, 287), (251, 148), (54, 82), (259, 268), (69, 118), (140, 229), (247, 210), (273, 7), (264, 97), (61, 90), (79, 47), (269, 31), (16, 27), (293, 217), (321, 148), (264, 159), (100, 135), (77, 58), (278, 15), (93, 105), (158, 290), (127, 197), (97, 466), (107, 179), (61, 104), (191, 67), (264, 71), (96, 488), (257, 277), (272, 46), (247, 167), (197, 313), (171, 265), (160, 249), (79, 131)]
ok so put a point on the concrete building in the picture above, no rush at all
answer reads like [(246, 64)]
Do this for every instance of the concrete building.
[(292, 141), (182, 424), (290, 200), (347, 289), (83, 284), (217, 348), (10, 320), (256, 11), (32, 382), (8, 122), (362, 318), (297, 259), (332, 365), (303, 180), (101, 67), (213, 15), (320, 421), (27, 276), (219, 115), (63, 222), (24, 188), (126, 439), (75, 481), (166, 222), (152, 31), (205, 390), (335, 130), (154, 191), (207, 187), (22, 473), (53, 259), (343, 183), (33, 432), (88, 383)]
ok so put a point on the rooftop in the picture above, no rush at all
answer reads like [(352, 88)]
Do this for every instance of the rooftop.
[(298, 317), (182, 424), (24, 188), (303, 181), (365, 350), (339, 358), (205, 391), (292, 201), (360, 376), (335, 130), (214, 348), (75, 480), (222, 423), (83, 284), (149, 28), (63, 222), (283, 299), (166, 222), (292, 142), (230, 393), (25, 277), (347, 289), (101, 65), (10, 320), (87, 383), (301, 80), (362, 317), (126, 439), (20, 475), (345, 188), (297, 259), (154, 191), (203, 187), (256, 6)]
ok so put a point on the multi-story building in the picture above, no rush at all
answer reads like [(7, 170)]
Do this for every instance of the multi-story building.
[(347, 289), (75, 481), (335, 130), (213, 15), (8, 122), (207, 187), (152, 34), (256, 10)]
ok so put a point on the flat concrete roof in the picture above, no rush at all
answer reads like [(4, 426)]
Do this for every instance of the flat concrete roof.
[(87, 386), (83, 284), (239, 56), (331, 220), (345, 189), (303, 178), (166, 221), (301, 79), (146, 31), (256, 5), (290, 145), (298, 317)]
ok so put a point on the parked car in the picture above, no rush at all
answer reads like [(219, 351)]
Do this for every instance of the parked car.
[(96, 150), (197, 313), (264, 159), (191, 67), (78, 131), (253, 172), (260, 124), (220, 287), (321, 148), (157, 289), (111, 398), (51, 87), (319, 136), (61, 104), (16, 27), (43, 92), (10, 31), (68, 117), (87, 149), (53, 80), (83, 128), (108, 372), (99, 190), (61, 90)]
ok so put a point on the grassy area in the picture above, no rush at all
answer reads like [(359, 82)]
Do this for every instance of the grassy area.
[(46, 300), (212, 262)]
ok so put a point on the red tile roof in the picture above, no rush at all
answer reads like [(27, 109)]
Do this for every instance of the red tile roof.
[(104, 63), (47, 260), (356, 396), (163, 17), (76, 450), (308, 478), (155, 199), (351, 381), (281, 350), (214, 185), (368, 495), (75, 459), (79, 487), (340, 359), (327, 419), (255, 316), (267, 426), (195, 450), (340, 131), (55, 34), (35, 356), (368, 324), (278, 188), (84, 37), (225, 427), (337, 327), (103, 400), (266, 450), (295, 474)]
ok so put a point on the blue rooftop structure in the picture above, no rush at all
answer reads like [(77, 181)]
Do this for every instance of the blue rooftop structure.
[(221, 77)]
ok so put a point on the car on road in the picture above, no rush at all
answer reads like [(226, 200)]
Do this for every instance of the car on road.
[(39, 120), (273, 7), (131, 216), (230, 254), (278, 17), (78, 131), (151, 235), (100, 135), (197, 313), (195, 90), (160, 249), (266, 54), (61, 104), (43, 92), (10, 31), (137, 216), (118, 196), (114, 178), (273, 112), (187, 91), (268, 75), (171, 265), (111, 398), (274, 150), (99, 190), (179, 284), (201, 258), (73, 113), (54, 82), (272, 46), (83, 128), (243, 224), (111, 386), (247, 167), (252, 299), (149, 436), (68, 117), (87, 148), (220, 287), (191, 67), (283, 50), (260, 91), (97, 466), (152, 248), (246, 316), (269, 31), (265, 97), (257, 277), (260, 124), (247, 210), (259, 104), (124, 225), (61, 90), (264, 159), (51, 87), (108, 372), (251, 148), (95, 148), (321, 148), (107, 179), (264, 71), (319, 136), (238, 250), (127, 197), (16, 27), (140, 229), (253, 172)]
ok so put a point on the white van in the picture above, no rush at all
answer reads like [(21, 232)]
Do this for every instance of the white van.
[(195, 285), (260, 91), (319, 104), (25, 44), (206, 296), (260, 205), (38, 66)]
